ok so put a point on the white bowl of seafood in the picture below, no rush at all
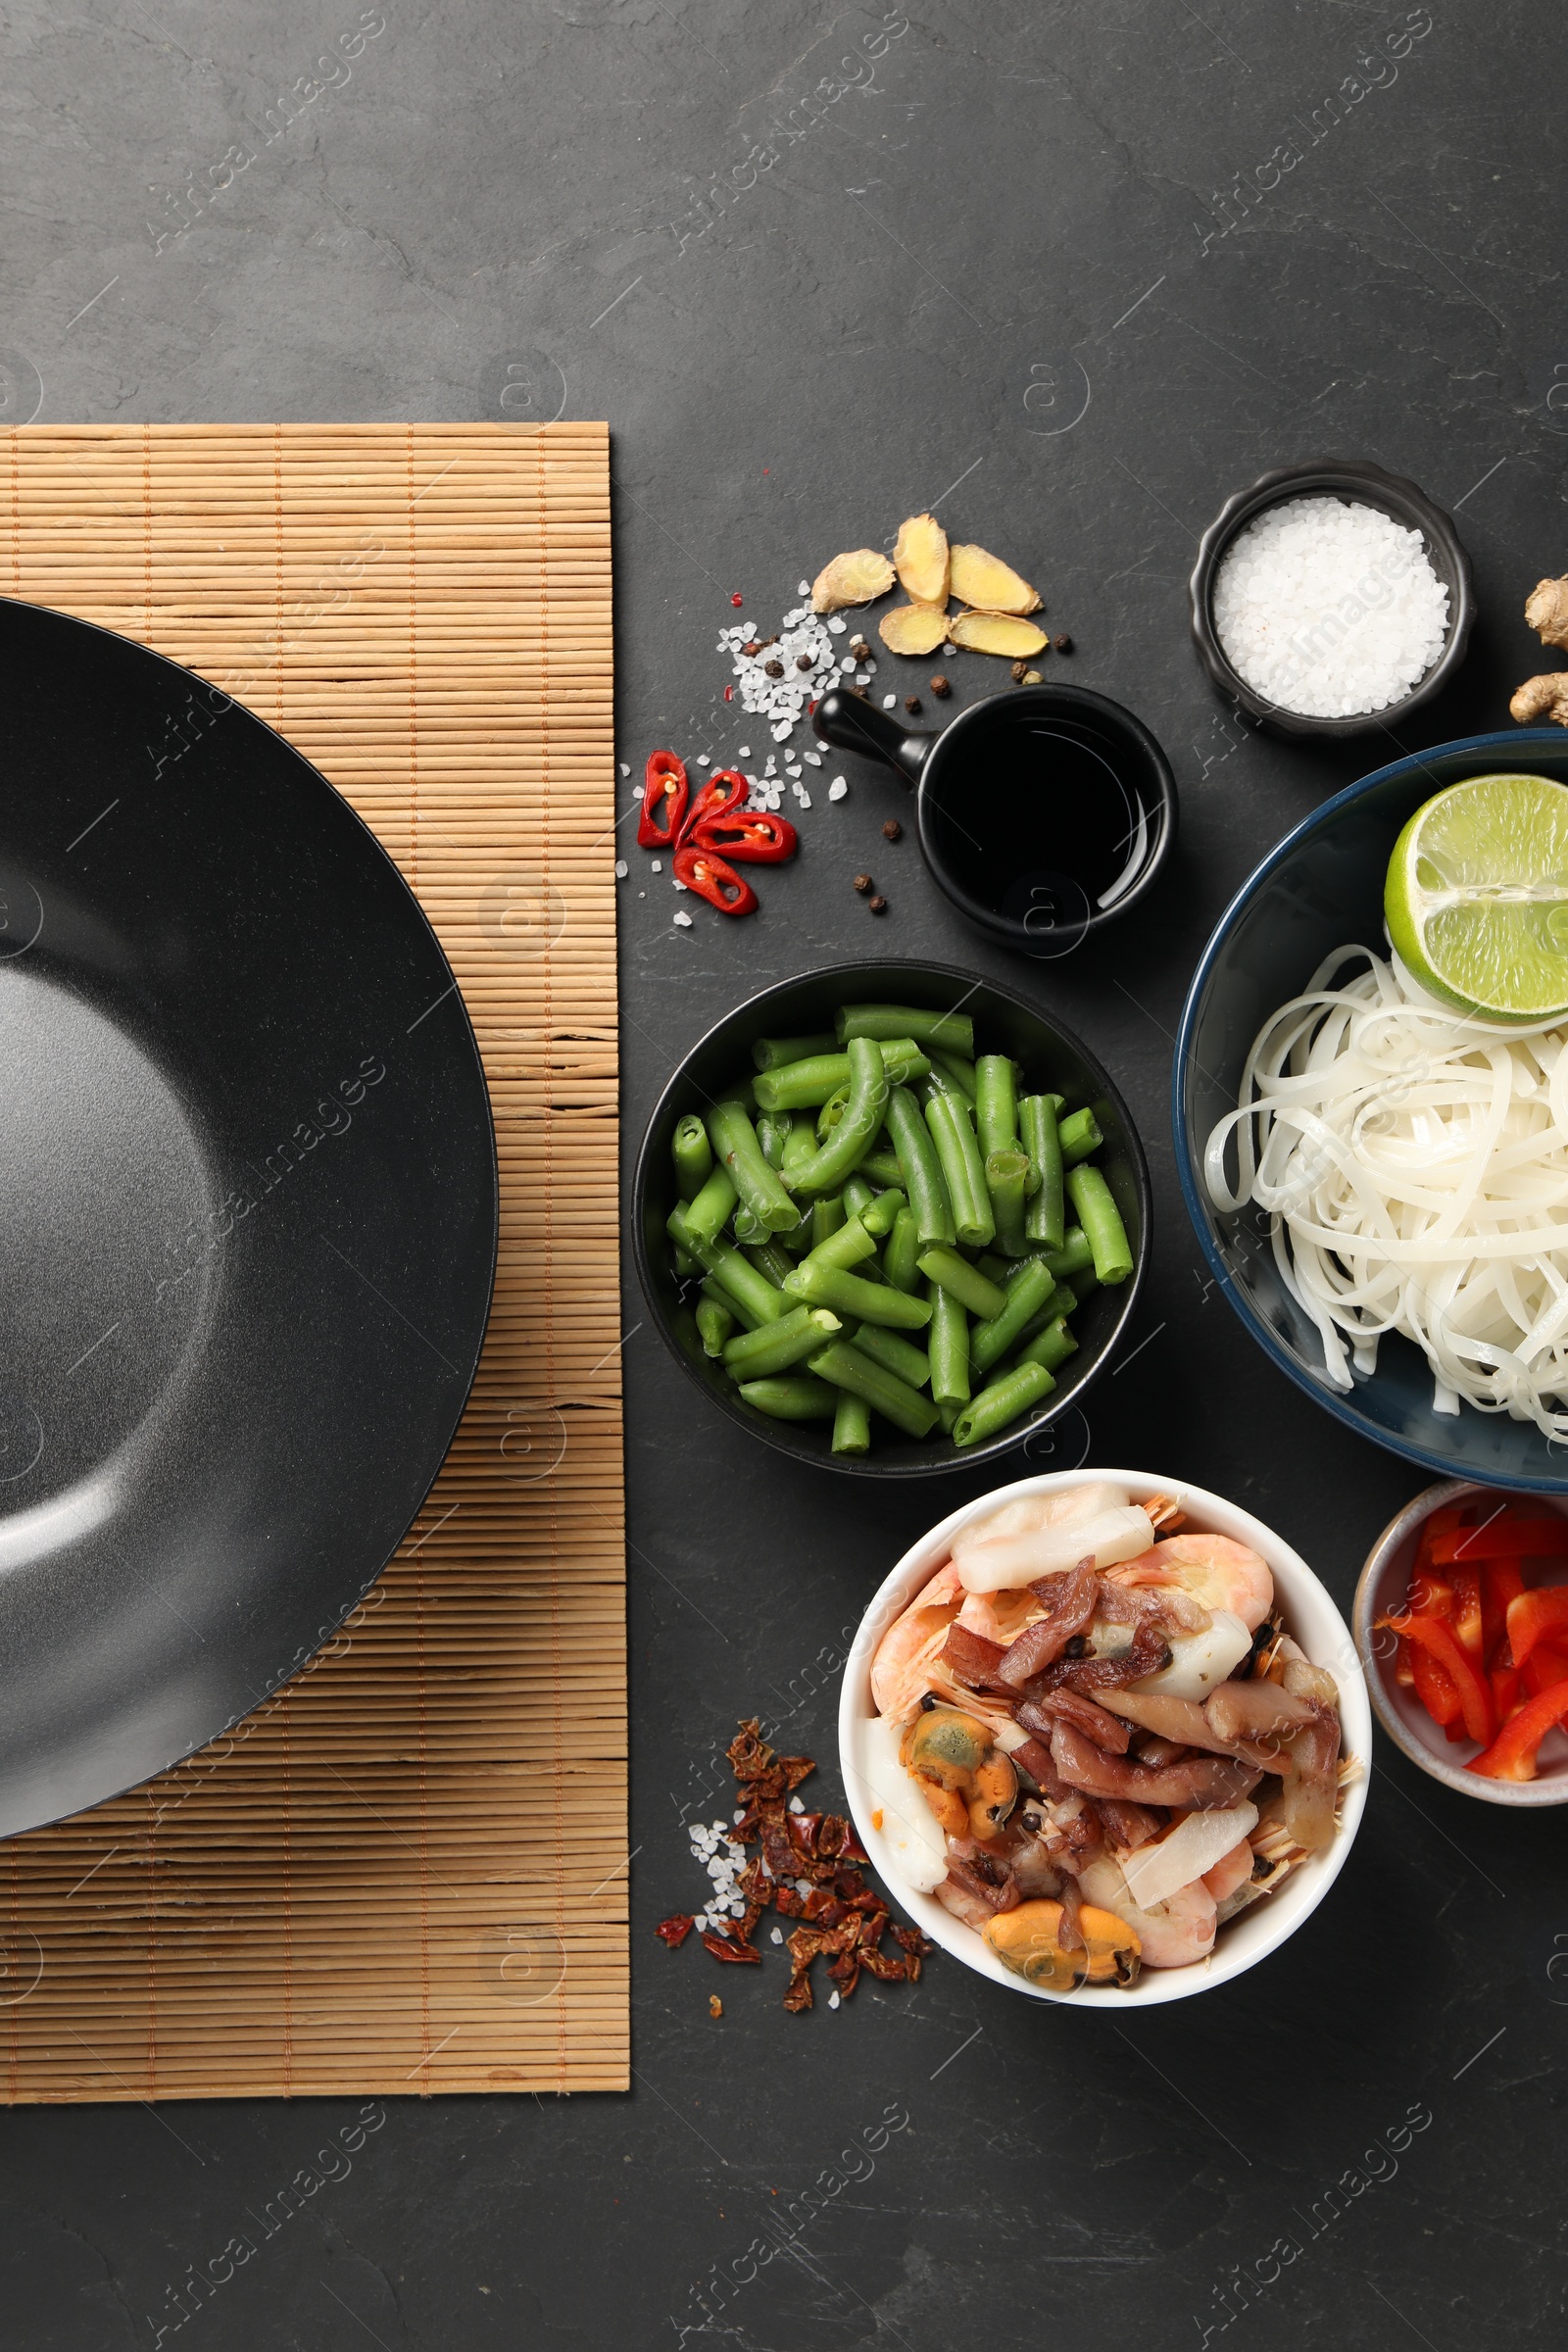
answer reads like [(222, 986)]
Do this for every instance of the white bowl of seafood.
[(1105, 1734)]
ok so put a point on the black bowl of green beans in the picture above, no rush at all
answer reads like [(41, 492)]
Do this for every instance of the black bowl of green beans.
[(891, 1217)]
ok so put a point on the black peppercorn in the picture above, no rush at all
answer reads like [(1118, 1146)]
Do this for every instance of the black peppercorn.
[(772, 669), (892, 830), (912, 703), (863, 883), (804, 660), (1063, 645), (878, 904), (941, 689)]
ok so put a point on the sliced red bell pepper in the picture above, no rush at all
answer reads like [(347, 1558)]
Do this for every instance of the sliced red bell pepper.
[(753, 838), (706, 872), (1403, 1671), (1511, 1756), (719, 796), (1437, 1641), (1500, 1583), (665, 792), (1539, 1616), (1502, 1540), (1548, 1663), (1467, 1610), (1507, 1685), (1434, 1688), (1431, 1594)]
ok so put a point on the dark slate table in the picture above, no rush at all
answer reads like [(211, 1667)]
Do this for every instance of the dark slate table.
[(1071, 274)]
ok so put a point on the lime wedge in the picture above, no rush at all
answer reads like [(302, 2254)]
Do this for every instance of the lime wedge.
[(1477, 897)]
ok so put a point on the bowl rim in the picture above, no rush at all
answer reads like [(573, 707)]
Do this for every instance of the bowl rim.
[(1068, 696), (948, 1462), (1432, 1760), (1327, 475), (1331, 1401), (1301, 1892)]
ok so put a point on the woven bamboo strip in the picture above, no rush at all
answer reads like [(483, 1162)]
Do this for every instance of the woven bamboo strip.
[(406, 1872)]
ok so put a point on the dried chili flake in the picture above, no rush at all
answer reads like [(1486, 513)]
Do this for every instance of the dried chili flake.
[(675, 1930), (728, 1947)]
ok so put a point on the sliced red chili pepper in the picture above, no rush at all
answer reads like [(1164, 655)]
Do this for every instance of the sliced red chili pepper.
[(1502, 1540), (1548, 1663), (665, 791), (722, 793), (1428, 1635), (755, 838), (704, 871), (1467, 1608), (1511, 1756), (1500, 1583), (1533, 1617)]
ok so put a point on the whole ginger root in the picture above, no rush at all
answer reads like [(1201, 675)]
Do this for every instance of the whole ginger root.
[(1545, 697)]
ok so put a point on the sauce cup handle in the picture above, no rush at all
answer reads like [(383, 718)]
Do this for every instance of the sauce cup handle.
[(850, 724)]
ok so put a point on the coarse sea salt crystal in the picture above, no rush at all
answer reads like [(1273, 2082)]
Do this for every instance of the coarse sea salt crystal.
[(636, 792), (702, 759), (624, 770), (679, 885), (833, 2000), (776, 1935), (802, 795), (813, 758), (657, 867), (1329, 608), (837, 790), (889, 702), (805, 588), (621, 869), (837, 623)]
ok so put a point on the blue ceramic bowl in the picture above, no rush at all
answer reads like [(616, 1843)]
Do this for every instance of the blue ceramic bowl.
[(1321, 888)]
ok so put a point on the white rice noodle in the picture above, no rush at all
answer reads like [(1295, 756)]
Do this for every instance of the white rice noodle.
[(1415, 1166)]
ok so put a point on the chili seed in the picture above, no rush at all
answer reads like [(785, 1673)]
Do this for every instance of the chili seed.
[(878, 904), (863, 883), (772, 669), (941, 689), (1063, 645), (912, 703), (892, 830)]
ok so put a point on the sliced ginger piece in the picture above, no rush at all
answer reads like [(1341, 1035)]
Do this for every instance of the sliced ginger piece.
[(1546, 613), (852, 580), (913, 628), (986, 582), (920, 560), (997, 633)]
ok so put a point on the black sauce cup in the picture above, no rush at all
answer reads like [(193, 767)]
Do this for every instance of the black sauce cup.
[(1004, 851)]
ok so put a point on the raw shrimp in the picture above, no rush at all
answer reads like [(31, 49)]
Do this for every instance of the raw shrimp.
[(1212, 1569), (1000, 1616), (901, 1669), (1173, 1933), (1231, 1870)]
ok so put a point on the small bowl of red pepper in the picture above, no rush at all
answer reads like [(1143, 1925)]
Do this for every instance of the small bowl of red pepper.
[(1461, 1620)]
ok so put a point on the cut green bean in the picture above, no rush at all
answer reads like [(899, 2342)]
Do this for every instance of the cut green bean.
[(1051, 1347), (882, 1215), (1045, 1218), (844, 1249), (794, 1398), (714, 1323), (693, 1155), (1027, 1294), (727, 1264), (1007, 1174), (770, 1259), (893, 1353), (1101, 1219), (919, 1168), (882, 1166), (1004, 1402), (1082, 1284), (858, 1196), (856, 1131), (901, 1250), (799, 1145), (1075, 1257), (948, 1347), (995, 1103), (1062, 1302), (894, 1399), (848, 1295), (779, 1346), (1079, 1135), (707, 1215), (717, 1296), (852, 1425), (952, 1131), (947, 1414), (832, 1111), (771, 1053), (960, 1072), (826, 1218), (995, 1267), (685, 1264), (806, 1085), (773, 1129), (966, 1282), (756, 1185), (952, 1031)]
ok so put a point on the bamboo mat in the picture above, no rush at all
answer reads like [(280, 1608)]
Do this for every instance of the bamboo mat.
[(405, 1873)]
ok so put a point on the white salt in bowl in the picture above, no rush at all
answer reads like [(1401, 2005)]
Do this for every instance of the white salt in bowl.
[(1359, 483), (1308, 1614)]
